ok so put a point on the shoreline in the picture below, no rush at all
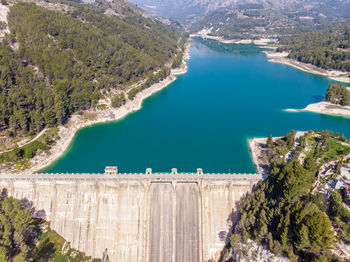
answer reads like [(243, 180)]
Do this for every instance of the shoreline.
[(255, 152), (325, 108), (260, 42), (258, 153), (281, 58), (76, 122)]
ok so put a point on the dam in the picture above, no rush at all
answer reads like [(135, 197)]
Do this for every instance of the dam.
[(137, 217)]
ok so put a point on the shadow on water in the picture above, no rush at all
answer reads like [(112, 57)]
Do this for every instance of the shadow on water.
[(317, 99), (236, 49)]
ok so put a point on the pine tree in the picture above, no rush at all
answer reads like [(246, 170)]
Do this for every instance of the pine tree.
[(338, 166), (320, 232), (303, 238), (269, 142), (285, 230)]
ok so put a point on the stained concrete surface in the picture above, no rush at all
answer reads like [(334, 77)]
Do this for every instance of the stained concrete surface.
[(161, 222), (137, 221), (187, 223)]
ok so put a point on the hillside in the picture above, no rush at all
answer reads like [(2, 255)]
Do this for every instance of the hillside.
[(60, 58), (263, 19), (187, 9), (301, 210), (241, 19), (328, 49)]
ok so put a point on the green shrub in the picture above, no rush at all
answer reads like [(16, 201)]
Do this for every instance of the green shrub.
[(118, 100), (133, 92)]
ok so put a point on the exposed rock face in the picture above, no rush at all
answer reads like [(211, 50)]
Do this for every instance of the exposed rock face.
[(252, 251), (137, 221), (3, 21)]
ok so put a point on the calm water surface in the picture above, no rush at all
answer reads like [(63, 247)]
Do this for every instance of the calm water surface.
[(204, 119)]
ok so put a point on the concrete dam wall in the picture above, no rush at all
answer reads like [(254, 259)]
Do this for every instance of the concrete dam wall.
[(147, 220)]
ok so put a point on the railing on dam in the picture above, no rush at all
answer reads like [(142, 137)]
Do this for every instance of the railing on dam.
[(111, 173)]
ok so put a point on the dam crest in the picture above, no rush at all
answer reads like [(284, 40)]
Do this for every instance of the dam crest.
[(137, 216)]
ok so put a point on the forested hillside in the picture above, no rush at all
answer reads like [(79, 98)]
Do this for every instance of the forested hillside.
[(328, 49), (55, 63), (297, 211)]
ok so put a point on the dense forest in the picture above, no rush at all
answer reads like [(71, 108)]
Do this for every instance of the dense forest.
[(328, 49), (338, 94), (26, 238), (67, 59), (287, 213)]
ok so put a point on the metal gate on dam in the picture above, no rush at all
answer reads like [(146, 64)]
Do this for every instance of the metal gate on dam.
[(148, 217)]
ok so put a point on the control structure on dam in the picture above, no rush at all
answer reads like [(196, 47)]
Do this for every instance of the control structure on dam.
[(137, 217)]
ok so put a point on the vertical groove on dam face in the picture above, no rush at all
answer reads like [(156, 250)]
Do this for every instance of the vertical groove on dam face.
[(187, 223), (161, 222)]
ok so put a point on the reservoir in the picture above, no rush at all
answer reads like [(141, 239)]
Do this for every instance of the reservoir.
[(231, 93)]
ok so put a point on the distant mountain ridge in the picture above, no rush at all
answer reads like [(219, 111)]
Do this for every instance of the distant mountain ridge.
[(194, 10), (182, 9), (271, 19)]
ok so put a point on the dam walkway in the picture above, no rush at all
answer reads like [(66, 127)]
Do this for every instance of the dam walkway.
[(111, 173)]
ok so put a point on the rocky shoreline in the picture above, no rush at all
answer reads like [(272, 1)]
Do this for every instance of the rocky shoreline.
[(255, 148), (281, 58)]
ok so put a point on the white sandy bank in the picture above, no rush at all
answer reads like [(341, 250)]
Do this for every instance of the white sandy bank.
[(261, 42), (281, 58), (326, 108)]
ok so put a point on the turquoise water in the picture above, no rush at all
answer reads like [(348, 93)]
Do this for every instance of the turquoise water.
[(204, 119)]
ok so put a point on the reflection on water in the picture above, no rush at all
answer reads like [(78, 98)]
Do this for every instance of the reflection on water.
[(237, 49)]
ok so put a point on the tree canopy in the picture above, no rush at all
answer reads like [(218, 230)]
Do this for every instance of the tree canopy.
[(338, 94), (280, 214), (328, 49), (67, 58), (289, 213)]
